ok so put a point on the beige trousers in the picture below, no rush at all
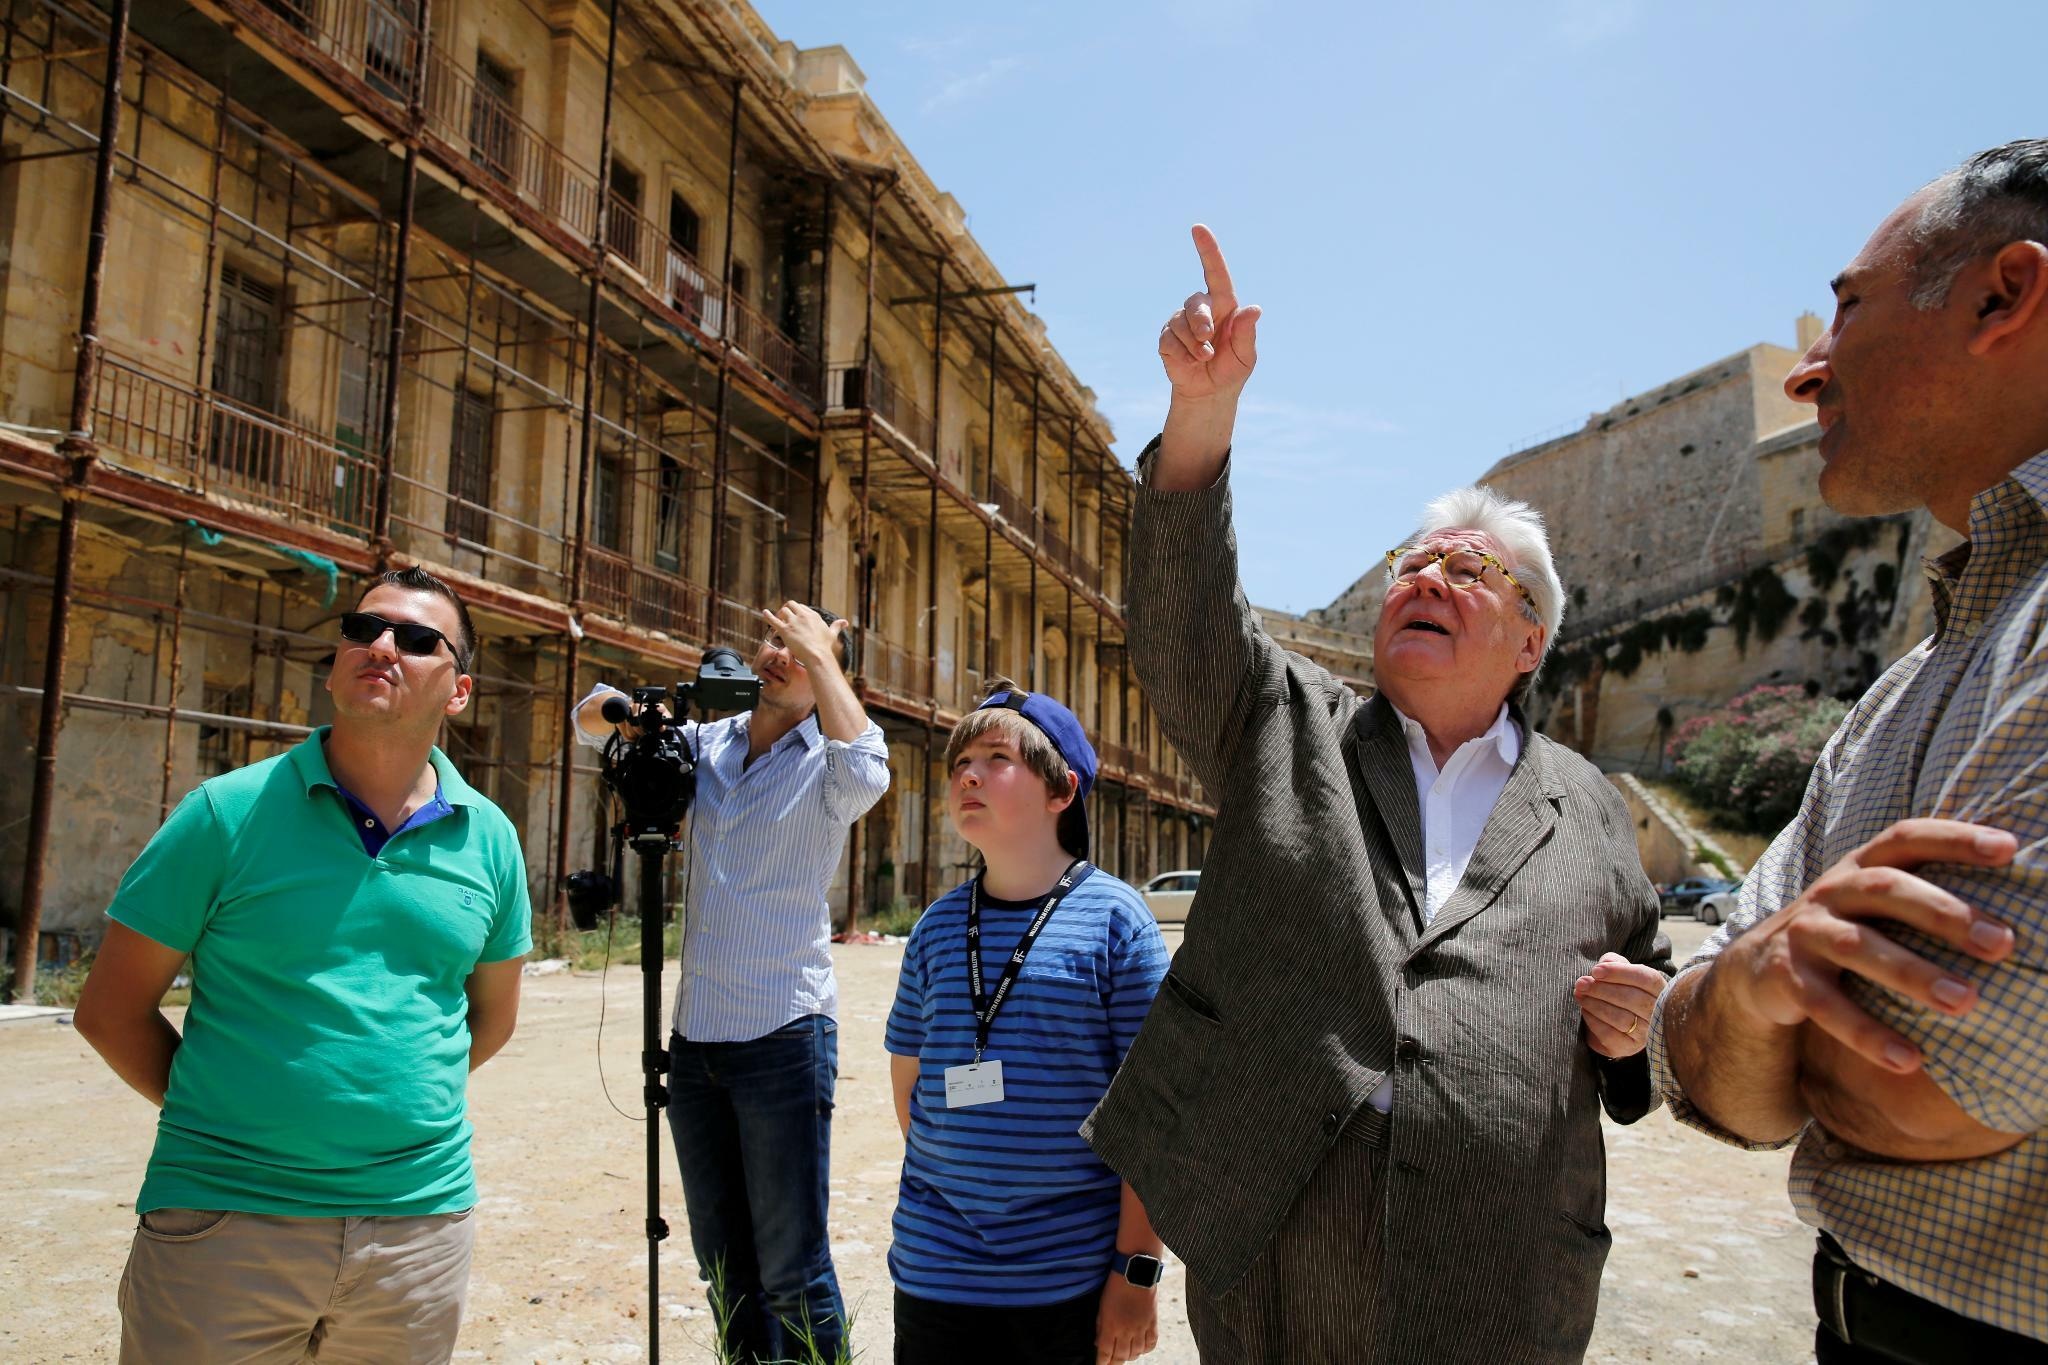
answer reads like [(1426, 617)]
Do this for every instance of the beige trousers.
[(205, 1287)]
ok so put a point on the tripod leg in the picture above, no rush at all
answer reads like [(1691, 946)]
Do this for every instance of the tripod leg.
[(654, 1063)]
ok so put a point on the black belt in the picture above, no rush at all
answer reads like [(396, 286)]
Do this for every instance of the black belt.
[(1887, 1321)]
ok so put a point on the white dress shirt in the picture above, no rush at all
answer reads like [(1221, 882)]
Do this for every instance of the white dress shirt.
[(1455, 802)]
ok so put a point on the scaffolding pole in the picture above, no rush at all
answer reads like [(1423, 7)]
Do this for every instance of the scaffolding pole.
[(988, 526), (79, 445), (817, 566), (924, 871), (722, 419), (1037, 548), (1074, 533), (864, 561), (394, 358), (163, 804), (565, 812)]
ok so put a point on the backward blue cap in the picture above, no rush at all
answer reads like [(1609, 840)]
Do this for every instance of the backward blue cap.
[(1063, 728)]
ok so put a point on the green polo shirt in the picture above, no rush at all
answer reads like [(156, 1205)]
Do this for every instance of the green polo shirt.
[(325, 1063)]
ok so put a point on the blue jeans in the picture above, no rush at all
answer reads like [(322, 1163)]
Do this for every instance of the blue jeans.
[(753, 1131)]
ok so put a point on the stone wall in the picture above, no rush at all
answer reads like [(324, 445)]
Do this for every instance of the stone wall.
[(1669, 847)]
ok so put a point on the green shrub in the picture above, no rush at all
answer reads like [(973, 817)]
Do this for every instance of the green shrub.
[(1748, 762), (896, 918)]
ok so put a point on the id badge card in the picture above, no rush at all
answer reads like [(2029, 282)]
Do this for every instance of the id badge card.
[(969, 1085)]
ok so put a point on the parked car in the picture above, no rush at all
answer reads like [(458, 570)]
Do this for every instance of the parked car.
[(1170, 895), (1684, 896), (1714, 908)]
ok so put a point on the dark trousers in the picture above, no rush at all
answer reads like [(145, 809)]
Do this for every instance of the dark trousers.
[(1868, 1321), (1312, 1298), (753, 1131), (929, 1333)]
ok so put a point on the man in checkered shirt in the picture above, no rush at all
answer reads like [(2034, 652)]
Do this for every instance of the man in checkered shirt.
[(1882, 994)]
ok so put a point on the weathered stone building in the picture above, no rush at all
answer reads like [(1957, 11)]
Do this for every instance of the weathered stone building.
[(627, 322)]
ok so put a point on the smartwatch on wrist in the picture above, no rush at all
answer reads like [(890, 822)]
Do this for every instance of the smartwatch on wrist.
[(1141, 1270)]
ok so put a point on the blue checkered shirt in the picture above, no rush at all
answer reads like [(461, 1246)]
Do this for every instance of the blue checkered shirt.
[(1957, 728)]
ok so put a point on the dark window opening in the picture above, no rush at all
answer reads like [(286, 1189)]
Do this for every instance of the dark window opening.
[(672, 505), (470, 458), (683, 223), (390, 43), (222, 748), (493, 117), (248, 348), (622, 232), (608, 524)]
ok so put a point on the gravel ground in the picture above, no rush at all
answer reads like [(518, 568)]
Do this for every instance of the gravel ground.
[(1709, 1262)]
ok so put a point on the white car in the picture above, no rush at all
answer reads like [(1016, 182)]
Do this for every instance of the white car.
[(1718, 907), (1170, 895)]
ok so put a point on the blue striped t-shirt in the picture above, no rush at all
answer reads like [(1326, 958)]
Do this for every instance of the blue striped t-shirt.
[(1004, 1204)]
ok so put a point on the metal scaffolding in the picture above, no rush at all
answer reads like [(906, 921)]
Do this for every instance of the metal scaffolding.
[(453, 343)]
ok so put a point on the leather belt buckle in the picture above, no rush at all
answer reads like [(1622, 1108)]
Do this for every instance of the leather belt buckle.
[(1831, 1272)]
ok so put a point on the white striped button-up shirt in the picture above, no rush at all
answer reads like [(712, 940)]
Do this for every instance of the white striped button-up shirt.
[(764, 843)]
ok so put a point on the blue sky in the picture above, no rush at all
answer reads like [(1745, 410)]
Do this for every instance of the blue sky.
[(1468, 224)]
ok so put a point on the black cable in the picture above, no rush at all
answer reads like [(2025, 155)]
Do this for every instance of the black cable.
[(611, 921)]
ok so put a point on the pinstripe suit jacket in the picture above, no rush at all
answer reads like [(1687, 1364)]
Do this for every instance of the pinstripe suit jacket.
[(1307, 974)]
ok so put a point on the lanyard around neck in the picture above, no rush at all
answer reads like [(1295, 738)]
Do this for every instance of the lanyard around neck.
[(987, 1006)]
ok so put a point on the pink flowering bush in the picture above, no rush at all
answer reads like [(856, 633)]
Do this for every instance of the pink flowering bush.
[(1748, 761)]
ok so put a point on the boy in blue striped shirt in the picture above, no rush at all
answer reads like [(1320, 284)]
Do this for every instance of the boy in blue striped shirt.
[(1013, 1242)]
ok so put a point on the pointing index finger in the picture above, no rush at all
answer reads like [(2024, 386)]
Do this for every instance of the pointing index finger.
[(1215, 274)]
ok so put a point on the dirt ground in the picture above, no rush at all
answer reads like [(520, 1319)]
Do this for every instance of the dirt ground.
[(1709, 1262)]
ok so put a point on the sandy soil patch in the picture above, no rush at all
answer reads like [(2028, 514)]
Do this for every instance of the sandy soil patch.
[(1709, 1262)]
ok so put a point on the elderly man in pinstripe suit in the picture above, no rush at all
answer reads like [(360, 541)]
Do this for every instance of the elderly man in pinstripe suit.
[(1365, 1107)]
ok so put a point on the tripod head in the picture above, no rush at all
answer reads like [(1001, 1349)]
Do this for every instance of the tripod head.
[(655, 773)]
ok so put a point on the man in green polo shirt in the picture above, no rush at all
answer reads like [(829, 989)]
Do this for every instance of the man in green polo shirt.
[(354, 916)]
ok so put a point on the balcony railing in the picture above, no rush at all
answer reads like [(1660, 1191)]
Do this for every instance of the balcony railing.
[(769, 347), (737, 625), (232, 450), (644, 596), (478, 124), (1015, 509), (681, 282), (894, 669), (862, 386), (690, 291), (370, 40), (1066, 556)]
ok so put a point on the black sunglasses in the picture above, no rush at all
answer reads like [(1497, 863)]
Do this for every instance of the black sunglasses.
[(364, 628)]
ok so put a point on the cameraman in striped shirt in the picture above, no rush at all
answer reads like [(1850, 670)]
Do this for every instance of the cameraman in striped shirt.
[(755, 1052)]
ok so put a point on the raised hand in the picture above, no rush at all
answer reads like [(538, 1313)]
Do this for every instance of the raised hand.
[(1209, 348), (1210, 345), (804, 634)]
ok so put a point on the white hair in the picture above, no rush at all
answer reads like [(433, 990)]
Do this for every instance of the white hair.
[(1518, 529)]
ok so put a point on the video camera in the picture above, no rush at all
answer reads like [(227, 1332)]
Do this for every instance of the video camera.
[(654, 773)]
